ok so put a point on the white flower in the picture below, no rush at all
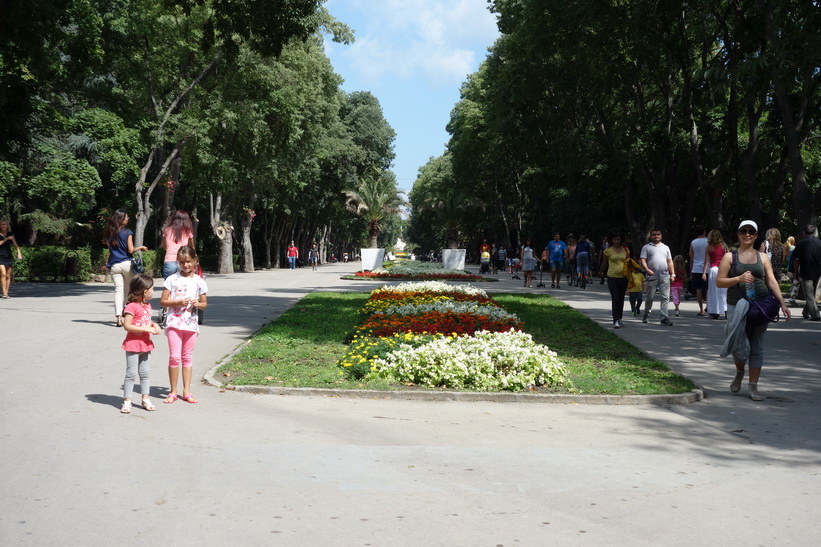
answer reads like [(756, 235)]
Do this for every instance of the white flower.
[(432, 286), (487, 361)]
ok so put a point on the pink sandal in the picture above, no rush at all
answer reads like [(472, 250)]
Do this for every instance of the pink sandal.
[(189, 399), (170, 399)]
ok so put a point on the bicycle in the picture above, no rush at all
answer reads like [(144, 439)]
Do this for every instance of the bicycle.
[(572, 275), (583, 280)]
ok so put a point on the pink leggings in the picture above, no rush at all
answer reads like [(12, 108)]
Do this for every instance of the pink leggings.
[(676, 293), (180, 347)]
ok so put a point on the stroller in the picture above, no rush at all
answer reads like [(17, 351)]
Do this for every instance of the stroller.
[(517, 268), (484, 262)]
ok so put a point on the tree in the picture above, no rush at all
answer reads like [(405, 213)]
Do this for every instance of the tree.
[(374, 200)]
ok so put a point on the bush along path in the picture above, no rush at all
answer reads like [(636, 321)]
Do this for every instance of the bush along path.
[(437, 335)]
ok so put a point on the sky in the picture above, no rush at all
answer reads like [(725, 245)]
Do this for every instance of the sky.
[(412, 55)]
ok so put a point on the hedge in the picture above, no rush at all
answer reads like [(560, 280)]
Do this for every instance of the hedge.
[(48, 263)]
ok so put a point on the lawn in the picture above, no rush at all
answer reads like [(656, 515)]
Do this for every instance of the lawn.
[(303, 346)]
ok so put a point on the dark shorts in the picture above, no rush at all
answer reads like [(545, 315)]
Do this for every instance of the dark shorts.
[(697, 283), (6, 261)]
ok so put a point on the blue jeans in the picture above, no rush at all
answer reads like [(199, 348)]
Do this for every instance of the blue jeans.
[(292, 262), (169, 269)]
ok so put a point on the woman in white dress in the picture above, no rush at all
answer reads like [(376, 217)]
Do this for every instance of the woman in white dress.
[(528, 263), (716, 296)]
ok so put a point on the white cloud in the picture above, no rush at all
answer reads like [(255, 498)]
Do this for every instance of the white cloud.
[(432, 39)]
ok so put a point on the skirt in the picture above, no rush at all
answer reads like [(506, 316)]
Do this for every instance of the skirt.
[(716, 298)]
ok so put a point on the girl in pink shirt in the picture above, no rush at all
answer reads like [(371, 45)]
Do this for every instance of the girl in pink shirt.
[(137, 344), (179, 232)]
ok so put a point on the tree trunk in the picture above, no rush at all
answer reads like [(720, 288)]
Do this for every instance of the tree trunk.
[(803, 198), (248, 251), (223, 230)]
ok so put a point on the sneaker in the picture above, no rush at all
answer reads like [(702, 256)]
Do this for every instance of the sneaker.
[(792, 302), (666, 321), (676, 313), (644, 317), (616, 324), (735, 387), (754, 395), (620, 323)]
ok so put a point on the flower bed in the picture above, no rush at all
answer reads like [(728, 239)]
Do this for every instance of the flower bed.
[(412, 269), (438, 335)]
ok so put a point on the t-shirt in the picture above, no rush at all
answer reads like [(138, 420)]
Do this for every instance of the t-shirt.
[(120, 252), (557, 249), (808, 253), (5, 247), (582, 247), (501, 253), (656, 257), (615, 262), (171, 246), (138, 342), (188, 288), (292, 251), (699, 246), (636, 281)]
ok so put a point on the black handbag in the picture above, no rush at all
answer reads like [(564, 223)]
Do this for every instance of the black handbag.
[(763, 310), (137, 266)]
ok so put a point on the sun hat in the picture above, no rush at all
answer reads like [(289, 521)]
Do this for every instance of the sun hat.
[(748, 223)]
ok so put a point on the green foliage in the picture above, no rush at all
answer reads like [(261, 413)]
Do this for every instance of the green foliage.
[(65, 183), (48, 263)]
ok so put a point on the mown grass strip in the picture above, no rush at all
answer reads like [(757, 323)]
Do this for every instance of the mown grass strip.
[(301, 348)]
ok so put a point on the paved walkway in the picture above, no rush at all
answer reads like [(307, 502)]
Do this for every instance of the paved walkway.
[(252, 469)]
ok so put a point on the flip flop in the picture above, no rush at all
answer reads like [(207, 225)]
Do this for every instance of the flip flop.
[(189, 399), (702, 314), (170, 399)]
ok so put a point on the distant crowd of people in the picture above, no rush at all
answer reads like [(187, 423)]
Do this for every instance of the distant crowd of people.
[(739, 284)]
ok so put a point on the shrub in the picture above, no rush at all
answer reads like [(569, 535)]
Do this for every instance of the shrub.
[(48, 263)]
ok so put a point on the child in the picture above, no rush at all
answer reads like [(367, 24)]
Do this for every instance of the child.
[(635, 284), (184, 293), (677, 284), (137, 343)]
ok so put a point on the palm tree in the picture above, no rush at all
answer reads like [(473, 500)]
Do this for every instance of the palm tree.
[(450, 206), (375, 199)]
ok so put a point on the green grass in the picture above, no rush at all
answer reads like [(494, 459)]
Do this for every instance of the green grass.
[(598, 361), (302, 347)]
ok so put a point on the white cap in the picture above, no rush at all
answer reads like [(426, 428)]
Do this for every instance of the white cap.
[(748, 223)]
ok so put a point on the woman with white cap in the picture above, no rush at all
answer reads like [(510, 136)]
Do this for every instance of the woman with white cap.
[(750, 278)]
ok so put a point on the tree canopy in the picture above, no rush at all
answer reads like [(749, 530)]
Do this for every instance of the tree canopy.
[(637, 114), (224, 108)]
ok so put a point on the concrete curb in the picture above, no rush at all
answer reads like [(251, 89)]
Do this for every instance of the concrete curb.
[(472, 396)]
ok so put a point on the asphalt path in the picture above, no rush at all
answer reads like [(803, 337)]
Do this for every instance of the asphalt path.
[(248, 469)]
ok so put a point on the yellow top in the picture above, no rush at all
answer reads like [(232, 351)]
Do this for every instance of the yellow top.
[(615, 262)]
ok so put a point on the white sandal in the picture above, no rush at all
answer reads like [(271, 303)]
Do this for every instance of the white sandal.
[(126, 409), (148, 405)]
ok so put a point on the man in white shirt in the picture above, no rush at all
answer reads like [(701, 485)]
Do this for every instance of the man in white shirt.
[(658, 264), (698, 249)]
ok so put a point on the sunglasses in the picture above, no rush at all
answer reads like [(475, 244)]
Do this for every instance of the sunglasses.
[(747, 232)]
